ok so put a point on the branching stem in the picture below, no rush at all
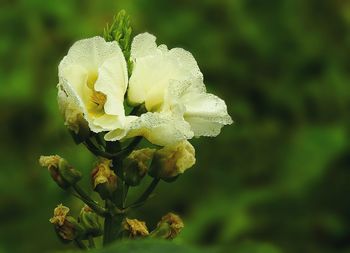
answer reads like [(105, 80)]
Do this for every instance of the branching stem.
[(147, 193), (89, 201)]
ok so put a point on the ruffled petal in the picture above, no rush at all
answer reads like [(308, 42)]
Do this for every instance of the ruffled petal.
[(142, 45), (90, 53), (158, 128), (112, 81), (120, 132), (154, 68), (205, 112)]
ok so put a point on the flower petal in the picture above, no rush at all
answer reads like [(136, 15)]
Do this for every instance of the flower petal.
[(205, 112), (96, 65), (142, 45), (154, 68), (120, 132), (112, 81), (158, 128), (90, 53)]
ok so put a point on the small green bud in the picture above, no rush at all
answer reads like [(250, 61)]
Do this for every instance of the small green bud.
[(135, 228), (66, 227), (121, 31), (89, 220), (172, 160), (136, 165), (168, 227), (104, 180), (61, 172)]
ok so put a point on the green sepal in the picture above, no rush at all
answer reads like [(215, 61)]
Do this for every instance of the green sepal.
[(162, 231), (89, 221), (68, 173), (70, 230), (131, 174)]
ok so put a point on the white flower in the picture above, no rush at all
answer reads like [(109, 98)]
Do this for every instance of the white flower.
[(92, 81), (170, 84)]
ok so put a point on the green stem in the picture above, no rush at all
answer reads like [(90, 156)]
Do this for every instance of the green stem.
[(107, 230), (91, 242), (97, 152), (89, 201), (125, 152), (80, 244), (112, 225), (143, 198), (125, 194), (99, 140)]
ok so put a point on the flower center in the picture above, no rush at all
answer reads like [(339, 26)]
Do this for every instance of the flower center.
[(99, 99), (92, 77)]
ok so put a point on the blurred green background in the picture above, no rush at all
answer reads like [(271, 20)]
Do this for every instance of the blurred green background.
[(275, 181)]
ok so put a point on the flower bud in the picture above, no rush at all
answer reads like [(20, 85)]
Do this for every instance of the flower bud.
[(66, 227), (168, 227), (104, 180), (61, 172), (73, 116), (135, 228), (89, 220), (136, 165), (172, 160)]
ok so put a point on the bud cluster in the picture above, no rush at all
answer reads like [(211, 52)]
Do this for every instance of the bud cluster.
[(168, 227), (69, 229)]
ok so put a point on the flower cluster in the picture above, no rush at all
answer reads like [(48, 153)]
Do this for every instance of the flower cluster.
[(114, 92), (94, 91)]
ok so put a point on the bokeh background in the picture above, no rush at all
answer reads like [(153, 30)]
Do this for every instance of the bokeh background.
[(275, 181)]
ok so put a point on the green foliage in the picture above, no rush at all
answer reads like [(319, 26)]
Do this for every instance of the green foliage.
[(146, 246)]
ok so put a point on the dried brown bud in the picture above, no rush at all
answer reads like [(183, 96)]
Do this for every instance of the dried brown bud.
[(172, 160), (168, 227), (136, 165), (61, 172), (66, 227), (104, 180), (59, 215), (135, 228)]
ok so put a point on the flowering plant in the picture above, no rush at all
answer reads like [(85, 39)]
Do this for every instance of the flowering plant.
[(113, 92)]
